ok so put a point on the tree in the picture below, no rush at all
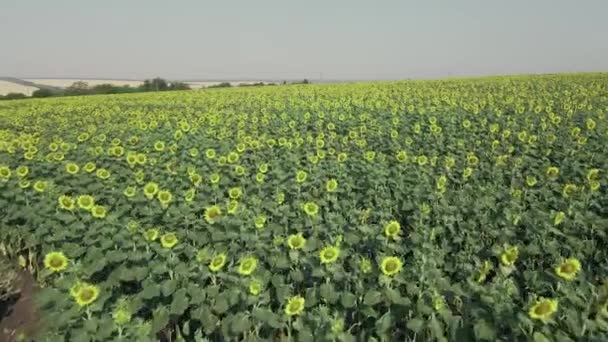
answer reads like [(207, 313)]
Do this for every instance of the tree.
[(42, 93), (78, 88), (14, 96), (179, 86)]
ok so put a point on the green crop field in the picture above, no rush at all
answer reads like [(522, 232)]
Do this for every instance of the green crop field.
[(449, 210)]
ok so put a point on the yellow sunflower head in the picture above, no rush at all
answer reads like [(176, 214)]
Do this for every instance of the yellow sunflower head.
[(509, 256), (86, 294), (301, 176), (235, 193), (151, 234), (150, 190), (98, 211), (217, 262), (295, 306), (543, 309), (331, 185), (390, 266), (214, 178), (212, 214), (392, 229), (311, 209), (66, 202), (568, 268), (552, 172), (90, 167), (56, 261), (247, 265), (129, 191), (168, 240), (85, 202), (329, 254), (41, 186), (164, 197), (296, 241), (255, 287), (22, 171)]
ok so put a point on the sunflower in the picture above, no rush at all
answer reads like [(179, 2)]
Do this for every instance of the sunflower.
[(392, 229), (233, 157), (301, 176), (295, 306), (129, 191), (214, 178), (370, 156), (212, 214), (217, 262), (260, 177), (467, 172), (255, 287), (365, 265), (331, 185), (131, 159), (98, 211), (342, 157), (531, 181), (594, 185), (56, 261), (168, 240), (159, 146), (247, 265), (329, 254), (233, 206), (24, 184), (593, 174), (235, 193), (85, 202), (441, 182), (391, 266), (22, 171), (132, 226), (151, 234), (189, 195), (221, 161), (150, 190), (263, 168), (164, 197), (141, 158), (89, 167), (86, 294), (509, 256), (193, 152), (401, 156), (103, 173), (121, 315), (210, 153), (311, 209), (559, 218), (296, 241), (569, 190), (66, 202), (568, 268), (260, 221), (552, 172), (41, 186), (543, 309), (196, 179)]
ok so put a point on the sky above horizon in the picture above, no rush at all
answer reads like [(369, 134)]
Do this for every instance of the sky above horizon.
[(384, 39)]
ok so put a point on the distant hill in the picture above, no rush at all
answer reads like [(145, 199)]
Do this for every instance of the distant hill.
[(29, 84)]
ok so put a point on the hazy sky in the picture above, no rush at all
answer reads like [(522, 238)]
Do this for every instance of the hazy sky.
[(369, 39)]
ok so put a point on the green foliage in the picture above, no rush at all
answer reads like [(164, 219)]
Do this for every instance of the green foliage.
[(456, 169)]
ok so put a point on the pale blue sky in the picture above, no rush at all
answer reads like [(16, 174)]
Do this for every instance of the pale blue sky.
[(382, 39)]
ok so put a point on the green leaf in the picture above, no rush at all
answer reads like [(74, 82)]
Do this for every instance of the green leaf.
[(348, 300), (240, 323), (221, 305), (539, 337), (372, 297), (160, 319), (415, 325), (384, 324), (151, 291), (180, 302), (484, 331), (168, 287)]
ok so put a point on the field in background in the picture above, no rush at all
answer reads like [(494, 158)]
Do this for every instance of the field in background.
[(10, 87), (426, 210)]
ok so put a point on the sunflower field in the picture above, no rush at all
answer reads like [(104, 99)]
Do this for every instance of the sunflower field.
[(447, 210)]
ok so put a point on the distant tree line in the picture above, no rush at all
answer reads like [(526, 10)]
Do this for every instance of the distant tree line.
[(82, 88)]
